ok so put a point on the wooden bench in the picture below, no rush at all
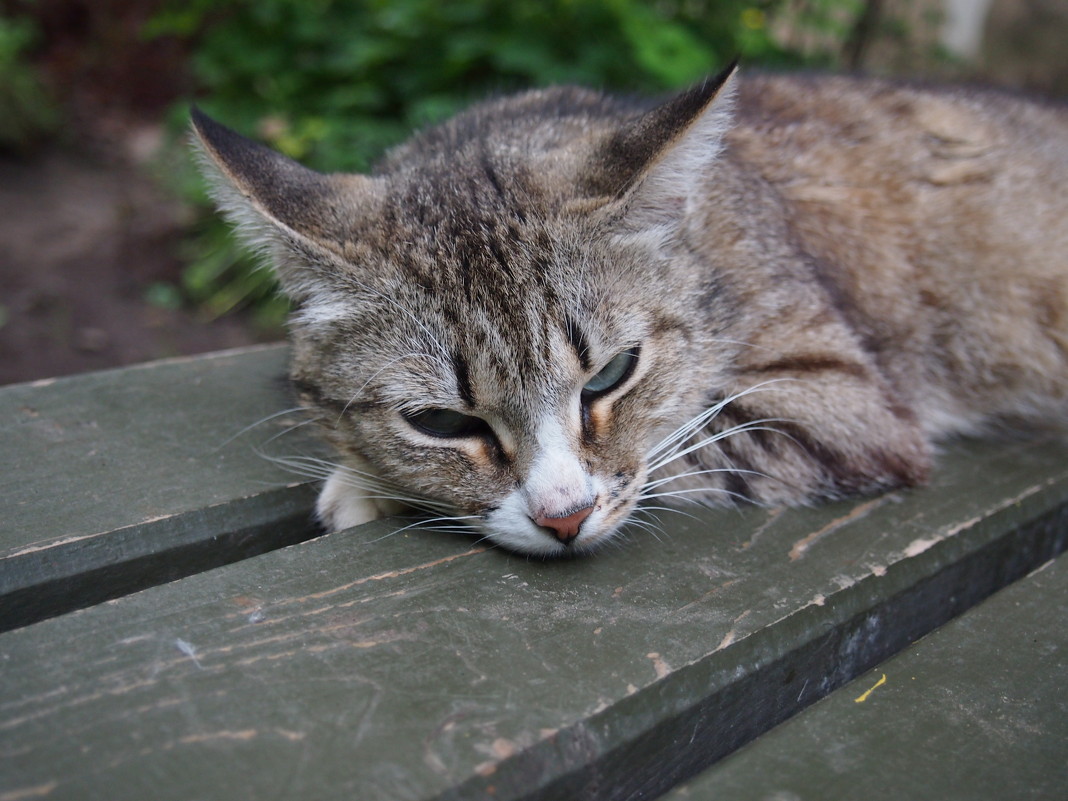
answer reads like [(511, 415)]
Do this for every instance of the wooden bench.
[(175, 629)]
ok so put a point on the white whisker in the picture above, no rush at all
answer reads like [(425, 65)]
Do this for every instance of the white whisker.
[(370, 486), (263, 420), (753, 425), (683, 432), (668, 479), (683, 494)]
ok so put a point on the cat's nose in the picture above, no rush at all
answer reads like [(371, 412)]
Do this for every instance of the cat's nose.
[(565, 528)]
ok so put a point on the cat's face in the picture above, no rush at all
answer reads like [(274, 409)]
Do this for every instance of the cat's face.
[(520, 394), (490, 327)]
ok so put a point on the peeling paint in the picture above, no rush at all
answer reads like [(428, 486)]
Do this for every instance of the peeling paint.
[(855, 513), (918, 546), (659, 665), (731, 635), (242, 736), (39, 791), (398, 573)]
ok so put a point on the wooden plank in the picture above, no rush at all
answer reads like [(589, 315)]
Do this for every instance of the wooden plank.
[(386, 664), (977, 709), (119, 480)]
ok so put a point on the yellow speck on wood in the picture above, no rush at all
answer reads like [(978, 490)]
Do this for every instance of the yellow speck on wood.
[(860, 699)]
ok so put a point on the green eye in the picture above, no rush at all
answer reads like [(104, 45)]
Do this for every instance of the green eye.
[(612, 374), (446, 423)]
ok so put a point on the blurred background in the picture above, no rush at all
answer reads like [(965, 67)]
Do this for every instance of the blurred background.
[(109, 251)]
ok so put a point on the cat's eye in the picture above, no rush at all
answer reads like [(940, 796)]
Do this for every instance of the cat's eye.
[(446, 423), (612, 374)]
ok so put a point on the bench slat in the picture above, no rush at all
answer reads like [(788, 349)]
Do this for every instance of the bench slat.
[(386, 664), (977, 709), (119, 480)]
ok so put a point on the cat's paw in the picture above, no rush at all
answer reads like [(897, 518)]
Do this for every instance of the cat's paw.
[(342, 506)]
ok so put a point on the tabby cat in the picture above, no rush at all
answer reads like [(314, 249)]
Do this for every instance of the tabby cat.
[(559, 305)]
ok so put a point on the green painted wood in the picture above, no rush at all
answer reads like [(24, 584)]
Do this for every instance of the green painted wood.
[(388, 664), (975, 710), (118, 480)]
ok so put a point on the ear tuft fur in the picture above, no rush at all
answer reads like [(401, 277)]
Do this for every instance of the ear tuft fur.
[(299, 219), (654, 163)]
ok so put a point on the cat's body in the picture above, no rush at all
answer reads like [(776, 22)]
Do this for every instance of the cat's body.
[(505, 320)]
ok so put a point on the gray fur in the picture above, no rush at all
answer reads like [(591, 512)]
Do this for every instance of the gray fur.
[(844, 271)]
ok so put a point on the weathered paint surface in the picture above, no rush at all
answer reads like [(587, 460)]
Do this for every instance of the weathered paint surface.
[(388, 664), (977, 709), (118, 480)]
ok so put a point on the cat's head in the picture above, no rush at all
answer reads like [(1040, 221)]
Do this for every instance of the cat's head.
[(496, 325)]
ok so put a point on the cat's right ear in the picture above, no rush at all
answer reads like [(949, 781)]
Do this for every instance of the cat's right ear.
[(657, 163), (303, 220)]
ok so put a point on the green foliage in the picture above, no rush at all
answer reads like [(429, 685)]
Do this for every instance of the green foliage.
[(26, 112), (335, 82)]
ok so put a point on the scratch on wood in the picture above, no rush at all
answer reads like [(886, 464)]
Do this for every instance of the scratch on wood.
[(292, 736), (244, 736), (773, 515), (50, 544), (398, 573), (710, 594), (918, 546), (44, 546), (189, 650), (29, 792), (805, 543)]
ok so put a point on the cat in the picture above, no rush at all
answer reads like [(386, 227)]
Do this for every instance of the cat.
[(554, 307)]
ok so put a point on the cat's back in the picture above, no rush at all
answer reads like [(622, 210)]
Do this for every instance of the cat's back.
[(938, 214), (920, 154)]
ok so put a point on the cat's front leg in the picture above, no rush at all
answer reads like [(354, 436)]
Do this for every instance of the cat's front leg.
[(797, 431), (342, 505), (838, 434)]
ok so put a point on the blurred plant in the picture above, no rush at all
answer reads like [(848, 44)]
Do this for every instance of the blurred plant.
[(26, 110), (335, 82)]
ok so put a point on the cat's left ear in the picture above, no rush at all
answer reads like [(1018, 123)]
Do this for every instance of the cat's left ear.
[(654, 165), (302, 219)]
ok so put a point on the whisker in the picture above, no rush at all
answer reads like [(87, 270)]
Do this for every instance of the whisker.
[(373, 487), (753, 425), (686, 429), (668, 479), (427, 523), (290, 430), (671, 509), (648, 527), (683, 494), (260, 422)]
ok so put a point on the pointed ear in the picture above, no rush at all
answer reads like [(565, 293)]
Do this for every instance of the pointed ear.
[(655, 165), (300, 218)]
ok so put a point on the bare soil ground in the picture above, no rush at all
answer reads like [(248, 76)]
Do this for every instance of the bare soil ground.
[(80, 243)]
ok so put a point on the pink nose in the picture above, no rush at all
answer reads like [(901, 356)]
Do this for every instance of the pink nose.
[(565, 528)]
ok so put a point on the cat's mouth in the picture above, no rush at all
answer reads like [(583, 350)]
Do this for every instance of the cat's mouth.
[(573, 532)]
